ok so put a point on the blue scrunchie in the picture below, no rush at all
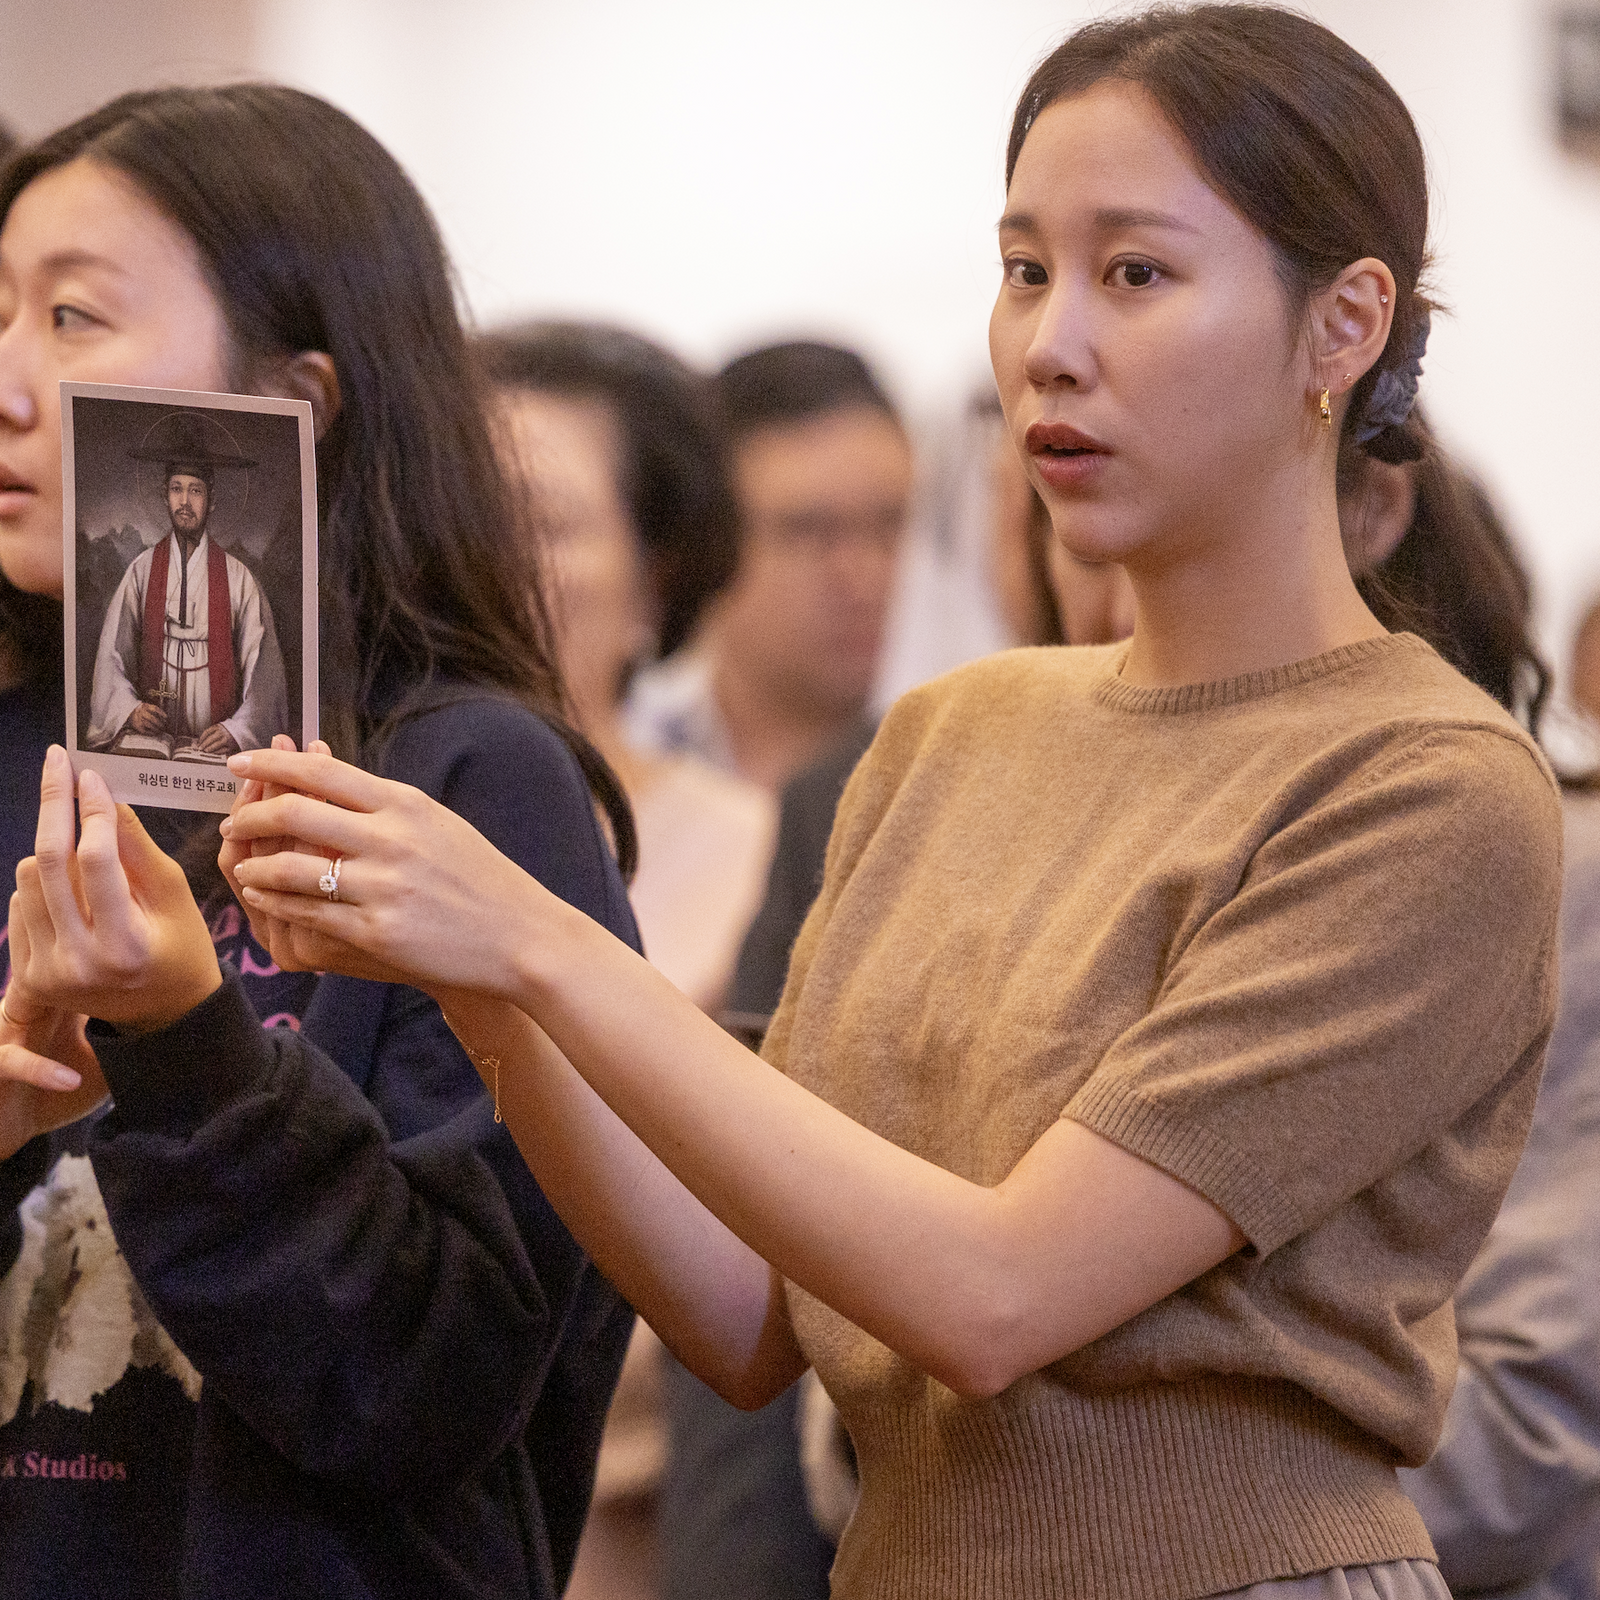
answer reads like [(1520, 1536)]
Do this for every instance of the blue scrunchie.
[(1395, 392)]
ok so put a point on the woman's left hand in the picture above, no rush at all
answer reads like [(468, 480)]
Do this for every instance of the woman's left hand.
[(112, 930), (399, 887)]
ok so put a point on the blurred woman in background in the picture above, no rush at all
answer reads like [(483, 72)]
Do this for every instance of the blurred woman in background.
[(620, 444), (622, 450)]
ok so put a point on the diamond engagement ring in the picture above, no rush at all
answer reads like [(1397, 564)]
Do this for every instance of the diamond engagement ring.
[(328, 883)]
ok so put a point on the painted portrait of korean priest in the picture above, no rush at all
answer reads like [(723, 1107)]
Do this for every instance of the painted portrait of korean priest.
[(188, 664)]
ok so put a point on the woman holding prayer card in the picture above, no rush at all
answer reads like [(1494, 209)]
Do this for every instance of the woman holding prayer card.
[(1163, 1037), (291, 1317)]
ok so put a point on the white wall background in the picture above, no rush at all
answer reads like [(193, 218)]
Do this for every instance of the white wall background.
[(718, 172)]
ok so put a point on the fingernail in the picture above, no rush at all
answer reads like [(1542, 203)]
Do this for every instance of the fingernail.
[(64, 1078), (225, 827), (252, 896), (240, 763), (54, 756)]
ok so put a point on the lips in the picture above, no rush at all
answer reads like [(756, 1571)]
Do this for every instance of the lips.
[(17, 495), (1060, 439), (1064, 457)]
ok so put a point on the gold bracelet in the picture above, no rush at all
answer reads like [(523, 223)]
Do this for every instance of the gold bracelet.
[(490, 1062)]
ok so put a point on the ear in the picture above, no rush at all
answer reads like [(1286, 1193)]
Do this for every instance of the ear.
[(307, 376), (1350, 322), (1380, 516)]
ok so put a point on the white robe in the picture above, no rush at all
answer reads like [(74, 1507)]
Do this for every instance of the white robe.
[(263, 704)]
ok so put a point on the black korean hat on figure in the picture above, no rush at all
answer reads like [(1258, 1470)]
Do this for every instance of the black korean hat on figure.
[(190, 439)]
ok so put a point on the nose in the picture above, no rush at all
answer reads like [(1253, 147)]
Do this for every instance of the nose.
[(1060, 355), (19, 405)]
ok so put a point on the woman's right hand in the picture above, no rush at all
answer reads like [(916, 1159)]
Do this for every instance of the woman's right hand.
[(48, 1073), (423, 897)]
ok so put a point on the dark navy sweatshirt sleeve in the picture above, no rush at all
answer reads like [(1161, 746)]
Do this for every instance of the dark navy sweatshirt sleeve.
[(331, 1225)]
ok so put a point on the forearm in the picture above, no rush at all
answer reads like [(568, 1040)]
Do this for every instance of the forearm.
[(714, 1301), (348, 1297), (973, 1285)]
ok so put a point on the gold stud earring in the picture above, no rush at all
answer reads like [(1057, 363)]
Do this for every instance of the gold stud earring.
[(1325, 409)]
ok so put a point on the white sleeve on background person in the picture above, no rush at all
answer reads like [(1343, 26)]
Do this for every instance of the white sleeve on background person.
[(112, 696), (1513, 1492), (263, 701)]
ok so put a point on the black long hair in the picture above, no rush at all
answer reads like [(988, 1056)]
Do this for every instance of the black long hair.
[(314, 239)]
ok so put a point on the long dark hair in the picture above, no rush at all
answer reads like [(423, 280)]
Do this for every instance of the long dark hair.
[(1297, 131), (674, 474), (314, 239)]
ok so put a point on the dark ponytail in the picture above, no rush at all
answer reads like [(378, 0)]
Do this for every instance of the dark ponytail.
[(1454, 578)]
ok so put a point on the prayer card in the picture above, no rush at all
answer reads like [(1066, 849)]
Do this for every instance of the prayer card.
[(190, 529)]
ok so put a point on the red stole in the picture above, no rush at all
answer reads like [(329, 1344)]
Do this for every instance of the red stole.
[(219, 628)]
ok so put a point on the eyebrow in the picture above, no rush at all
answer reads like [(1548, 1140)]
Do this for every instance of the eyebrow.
[(1108, 220), (68, 260)]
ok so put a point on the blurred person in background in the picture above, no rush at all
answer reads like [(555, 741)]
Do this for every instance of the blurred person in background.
[(1511, 1496), (1585, 684), (784, 665), (622, 451), (621, 446), (1431, 556)]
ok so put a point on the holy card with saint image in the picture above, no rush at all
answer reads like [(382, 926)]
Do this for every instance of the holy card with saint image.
[(190, 535)]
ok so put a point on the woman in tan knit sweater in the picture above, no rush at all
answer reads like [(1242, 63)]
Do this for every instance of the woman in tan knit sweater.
[(1165, 1033)]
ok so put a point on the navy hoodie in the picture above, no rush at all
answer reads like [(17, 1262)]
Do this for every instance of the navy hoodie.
[(402, 1357)]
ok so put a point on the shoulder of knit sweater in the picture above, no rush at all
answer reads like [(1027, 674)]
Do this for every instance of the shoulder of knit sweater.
[(992, 678)]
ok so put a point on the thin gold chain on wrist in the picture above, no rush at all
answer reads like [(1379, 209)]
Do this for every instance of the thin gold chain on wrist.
[(488, 1063)]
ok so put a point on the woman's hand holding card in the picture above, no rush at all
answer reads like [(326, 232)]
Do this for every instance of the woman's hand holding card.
[(419, 896), (109, 926)]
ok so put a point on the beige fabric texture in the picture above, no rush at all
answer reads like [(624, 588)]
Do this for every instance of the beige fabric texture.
[(1289, 937), (1393, 1580)]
